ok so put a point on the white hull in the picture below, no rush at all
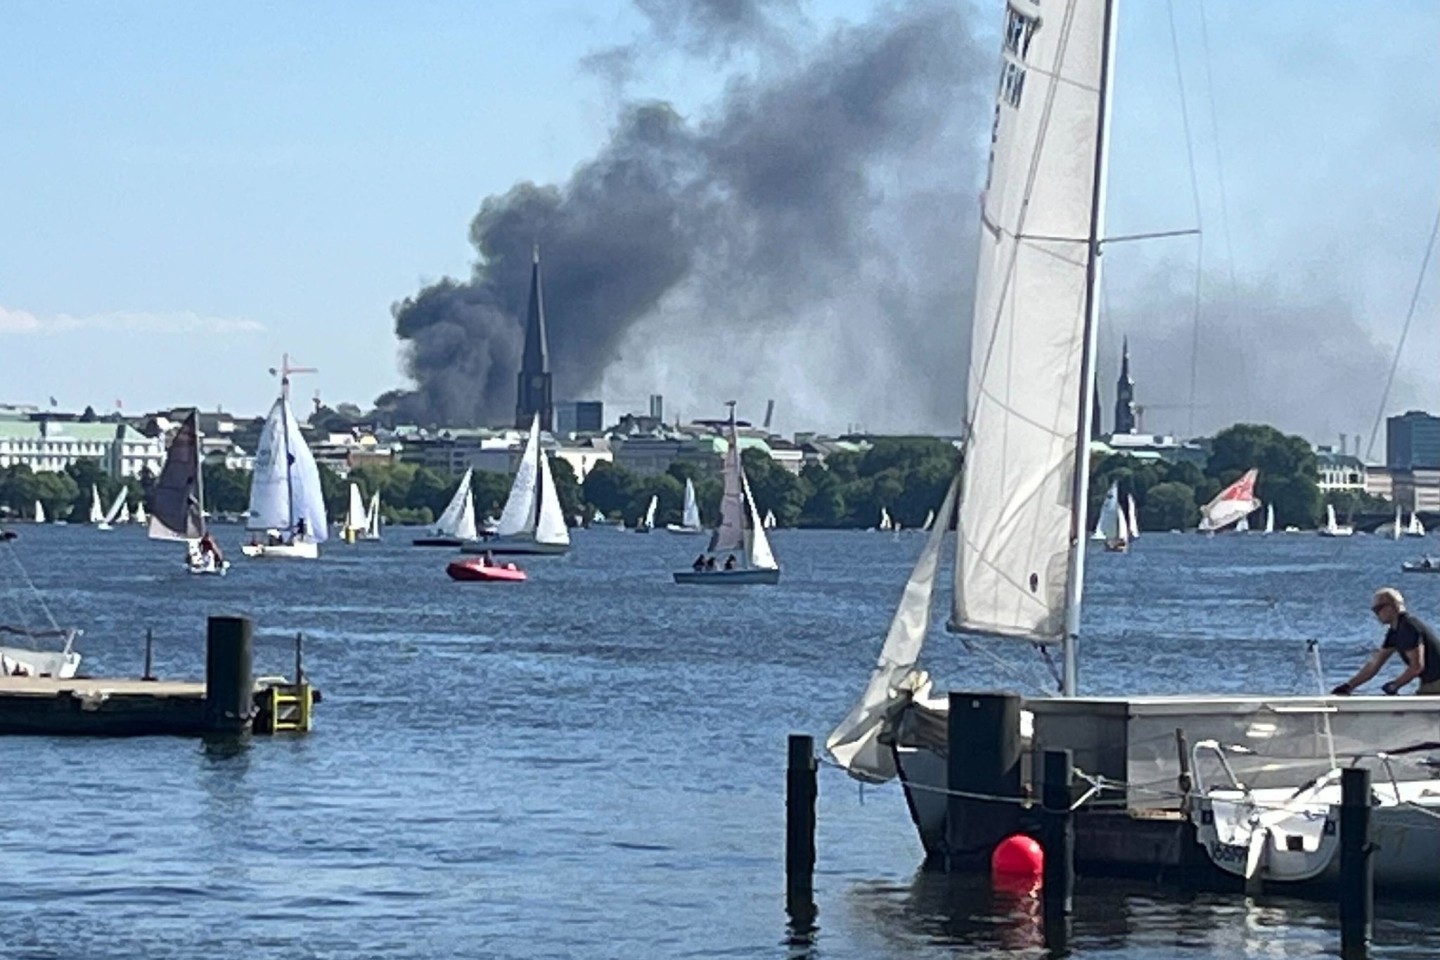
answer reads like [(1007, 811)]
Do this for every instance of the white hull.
[(687, 531), (39, 663), (1336, 531), (301, 550)]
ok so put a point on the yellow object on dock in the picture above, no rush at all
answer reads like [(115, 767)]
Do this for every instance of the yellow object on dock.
[(290, 708)]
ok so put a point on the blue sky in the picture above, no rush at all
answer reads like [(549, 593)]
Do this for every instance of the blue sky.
[(187, 190)]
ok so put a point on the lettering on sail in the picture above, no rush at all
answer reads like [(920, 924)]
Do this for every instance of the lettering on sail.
[(1019, 31)]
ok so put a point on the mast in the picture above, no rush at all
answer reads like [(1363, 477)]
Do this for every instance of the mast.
[(285, 371), (199, 471), (1076, 585)]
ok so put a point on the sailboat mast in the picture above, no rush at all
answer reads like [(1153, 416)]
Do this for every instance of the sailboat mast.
[(1076, 585), (285, 371), (199, 472)]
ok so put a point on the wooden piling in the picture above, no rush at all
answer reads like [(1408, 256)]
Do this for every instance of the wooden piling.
[(1057, 838), (149, 655), (299, 658), (229, 674), (800, 795), (983, 762), (1357, 868)]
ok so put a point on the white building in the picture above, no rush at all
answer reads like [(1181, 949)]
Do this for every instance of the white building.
[(52, 445)]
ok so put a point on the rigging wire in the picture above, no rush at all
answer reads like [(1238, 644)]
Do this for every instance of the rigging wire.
[(1199, 223), (1404, 332)]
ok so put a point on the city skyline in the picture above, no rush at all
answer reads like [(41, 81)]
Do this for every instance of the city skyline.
[(221, 203)]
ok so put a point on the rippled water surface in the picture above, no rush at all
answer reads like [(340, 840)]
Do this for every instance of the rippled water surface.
[(591, 764)]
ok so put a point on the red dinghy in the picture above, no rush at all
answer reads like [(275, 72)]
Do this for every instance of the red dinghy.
[(475, 568)]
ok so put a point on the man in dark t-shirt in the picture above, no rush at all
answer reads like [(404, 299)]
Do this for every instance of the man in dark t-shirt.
[(1407, 634)]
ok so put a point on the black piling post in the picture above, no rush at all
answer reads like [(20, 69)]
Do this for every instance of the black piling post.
[(149, 655), (1057, 838), (983, 762), (229, 674), (1357, 869), (299, 658), (800, 795)]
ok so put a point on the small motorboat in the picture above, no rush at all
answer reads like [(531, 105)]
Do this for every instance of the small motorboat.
[(1424, 565), (477, 568)]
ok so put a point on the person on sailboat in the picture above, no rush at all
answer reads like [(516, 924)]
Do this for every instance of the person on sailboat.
[(208, 545), (730, 562), (1407, 633), (699, 563)]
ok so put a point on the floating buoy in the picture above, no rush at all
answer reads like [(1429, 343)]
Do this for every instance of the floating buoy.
[(1018, 863)]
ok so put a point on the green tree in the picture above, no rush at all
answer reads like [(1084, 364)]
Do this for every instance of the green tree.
[(1288, 476), (609, 488), (1169, 506)]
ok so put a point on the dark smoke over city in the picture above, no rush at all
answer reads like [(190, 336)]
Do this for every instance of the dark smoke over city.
[(813, 226)]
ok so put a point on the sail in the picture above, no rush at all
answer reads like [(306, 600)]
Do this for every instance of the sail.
[(372, 517), (885, 522), (97, 512), (39, 512), (757, 546), (730, 534), (461, 506), (1416, 528), (1269, 518), (1243, 525), (355, 517), (1111, 525), (1130, 516), (519, 515), (854, 743), (690, 517), (140, 515), (929, 521), (285, 485), (113, 514), (650, 508), (1026, 391), (1231, 504), (770, 521), (175, 509), (1398, 529), (597, 517), (550, 523), (1330, 523)]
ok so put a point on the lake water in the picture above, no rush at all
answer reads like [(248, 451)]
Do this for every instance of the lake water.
[(591, 764)]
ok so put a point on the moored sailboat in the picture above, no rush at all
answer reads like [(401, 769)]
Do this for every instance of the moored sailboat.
[(178, 501), (740, 535), (286, 501), (532, 521)]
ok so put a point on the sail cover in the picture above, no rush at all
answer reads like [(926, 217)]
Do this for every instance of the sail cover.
[(1232, 504), (175, 511), (853, 743), (1028, 329)]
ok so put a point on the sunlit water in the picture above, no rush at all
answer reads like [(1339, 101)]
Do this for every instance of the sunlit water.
[(591, 764)]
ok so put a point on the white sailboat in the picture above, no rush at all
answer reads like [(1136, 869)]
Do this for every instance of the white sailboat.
[(1331, 527), (97, 512), (32, 643), (112, 515), (532, 522), (286, 501), (647, 522), (740, 536), (456, 526), (1269, 518), (356, 519), (372, 518), (1112, 525), (769, 523), (178, 501), (885, 523), (140, 516), (1020, 551), (1231, 505), (1416, 528), (929, 521), (39, 512), (1130, 515), (690, 516)]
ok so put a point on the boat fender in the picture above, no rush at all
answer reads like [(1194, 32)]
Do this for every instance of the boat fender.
[(91, 700)]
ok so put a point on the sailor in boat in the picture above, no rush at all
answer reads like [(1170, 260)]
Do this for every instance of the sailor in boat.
[(209, 547), (699, 563), (709, 563), (1408, 634), (730, 562)]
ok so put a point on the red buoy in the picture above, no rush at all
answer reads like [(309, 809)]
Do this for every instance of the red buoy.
[(1018, 862)]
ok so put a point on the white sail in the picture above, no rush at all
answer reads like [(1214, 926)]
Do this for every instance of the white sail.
[(1112, 525), (649, 520), (770, 522), (39, 512), (97, 512), (1131, 516), (1397, 530), (124, 514), (1242, 525), (458, 518), (1269, 518), (730, 534), (1231, 504), (1416, 528), (372, 517), (355, 516), (758, 554), (885, 522), (1030, 383), (285, 485), (550, 524), (113, 514), (854, 743), (519, 515), (690, 516), (139, 515), (929, 521)]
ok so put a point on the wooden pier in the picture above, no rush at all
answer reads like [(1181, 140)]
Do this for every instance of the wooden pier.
[(229, 701)]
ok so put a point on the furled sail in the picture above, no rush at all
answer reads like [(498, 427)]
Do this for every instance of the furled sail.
[(1040, 209)]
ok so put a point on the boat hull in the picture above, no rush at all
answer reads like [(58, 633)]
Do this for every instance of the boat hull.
[(303, 550), (500, 546), (451, 542), (737, 577), (475, 571), (1411, 566), (685, 531), (40, 663)]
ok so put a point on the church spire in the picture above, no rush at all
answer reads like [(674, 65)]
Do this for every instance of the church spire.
[(1125, 393), (533, 394)]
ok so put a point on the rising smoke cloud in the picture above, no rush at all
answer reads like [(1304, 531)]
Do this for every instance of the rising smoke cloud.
[(813, 228)]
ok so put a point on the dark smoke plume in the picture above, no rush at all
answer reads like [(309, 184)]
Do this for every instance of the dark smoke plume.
[(814, 228)]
